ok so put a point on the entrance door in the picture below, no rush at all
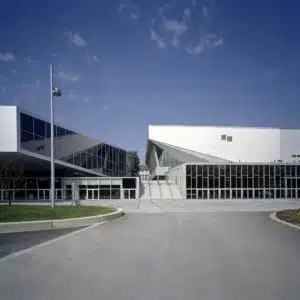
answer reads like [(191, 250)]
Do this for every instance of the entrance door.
[(129, 194), (93, 194), (44, 195), (58, 194)]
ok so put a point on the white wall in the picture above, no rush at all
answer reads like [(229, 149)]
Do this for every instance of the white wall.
[(289, 144), (248, 144), (8, 129)]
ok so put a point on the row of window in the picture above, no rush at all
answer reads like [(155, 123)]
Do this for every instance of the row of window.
[(242, 193), (35, 134), (44, 183), (235, 182), (243, 170), (41, 128)]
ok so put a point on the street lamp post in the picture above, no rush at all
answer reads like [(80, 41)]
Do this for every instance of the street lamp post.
[(52, 186)]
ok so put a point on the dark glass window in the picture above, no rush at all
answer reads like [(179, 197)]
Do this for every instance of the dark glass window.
[(199, 170), (60, 131), (205, 171), (188, 169), (26, 122), (26, 136), (199, 182), (188, 181), (129, 183), (233, 170), (194, 169), (193, 183), (39, 127)]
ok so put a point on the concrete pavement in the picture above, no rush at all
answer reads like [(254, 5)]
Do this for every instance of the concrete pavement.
[(162, 206), (211, 256)]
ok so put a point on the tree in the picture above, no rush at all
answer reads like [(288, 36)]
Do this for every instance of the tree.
[(11, 174), (133, 163)]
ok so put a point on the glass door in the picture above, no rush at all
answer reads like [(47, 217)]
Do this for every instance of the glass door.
[(90, 194)]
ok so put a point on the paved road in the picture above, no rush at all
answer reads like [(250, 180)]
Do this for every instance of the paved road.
[(13, 242), (210, 256)]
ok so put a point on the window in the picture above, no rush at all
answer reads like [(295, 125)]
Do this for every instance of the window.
[(26, 122), (294, 155), (26, 136), (39, 127), (223, 137), (229, 139)]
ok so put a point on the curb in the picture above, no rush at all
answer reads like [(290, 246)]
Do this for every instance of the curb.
[(274, 217), (10, 227)]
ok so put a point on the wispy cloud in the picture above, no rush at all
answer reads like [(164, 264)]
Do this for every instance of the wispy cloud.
[(205, 11), (67, 76), (157, 38), (208, 41), (194, 2), (91, 58), (2, 89), (7, 56), (76, 38), (132, 11), (187, 14), (105, 108), (271, 73), (72, 96), (35, 84)]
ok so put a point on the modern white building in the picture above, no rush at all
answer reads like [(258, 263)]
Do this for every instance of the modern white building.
[(226, 162), (96, 169)]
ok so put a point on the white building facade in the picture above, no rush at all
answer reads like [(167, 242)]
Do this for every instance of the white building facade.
[(226, 162)]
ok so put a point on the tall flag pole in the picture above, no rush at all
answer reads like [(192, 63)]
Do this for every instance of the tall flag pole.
[(53, 92)]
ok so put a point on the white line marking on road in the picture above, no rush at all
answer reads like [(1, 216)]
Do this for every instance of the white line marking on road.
[(30, 249), (179, 223)]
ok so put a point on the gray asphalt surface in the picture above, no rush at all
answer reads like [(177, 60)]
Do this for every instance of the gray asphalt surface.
[(210, 256), (13, 242)]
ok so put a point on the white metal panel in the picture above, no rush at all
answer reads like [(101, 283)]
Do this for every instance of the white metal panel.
[(289, 144), (8, 129), (248, 144)]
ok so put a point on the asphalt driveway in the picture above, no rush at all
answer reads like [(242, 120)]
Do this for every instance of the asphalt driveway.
[(211, 256)]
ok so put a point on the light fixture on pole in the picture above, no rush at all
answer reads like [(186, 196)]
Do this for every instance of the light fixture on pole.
[(53, 92)]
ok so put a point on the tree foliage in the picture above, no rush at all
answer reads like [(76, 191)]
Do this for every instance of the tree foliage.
[(11, 174), (133, 163)]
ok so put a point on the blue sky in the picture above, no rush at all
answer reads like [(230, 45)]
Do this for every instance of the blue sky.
[(124, 65)]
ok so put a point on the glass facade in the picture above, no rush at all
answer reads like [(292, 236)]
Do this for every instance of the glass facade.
[(166, 159), (71, 147), (236, 181), (89, 188)]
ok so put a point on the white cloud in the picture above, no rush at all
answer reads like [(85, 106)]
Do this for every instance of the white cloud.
[(175, 42), (105, 108), (7, 56), (205, 11), (86, 100), (68, 76), (76, 39), (91, 58), (131, 10), (28, 59), (187, 14), (208, 41), (194, 2), (176, 27), (157, 38)]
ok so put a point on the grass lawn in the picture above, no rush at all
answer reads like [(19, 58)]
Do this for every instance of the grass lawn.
[(15, 213), (290, 215)]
